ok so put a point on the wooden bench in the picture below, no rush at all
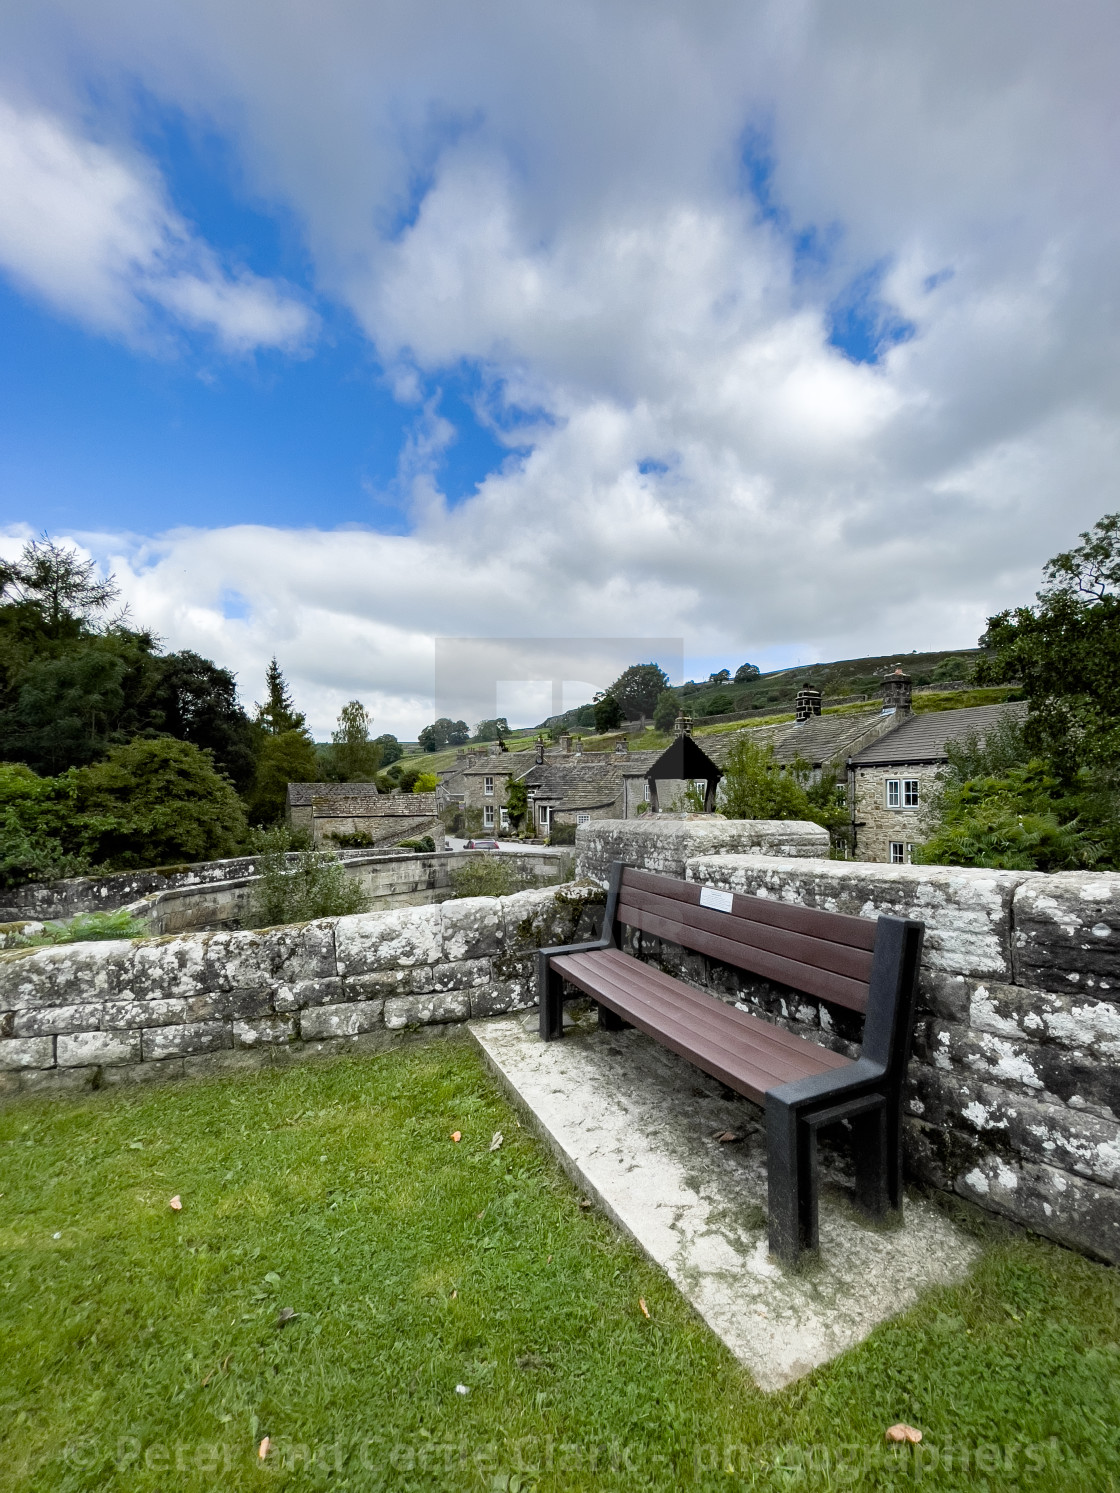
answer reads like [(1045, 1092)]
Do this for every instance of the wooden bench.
[(868, 966)]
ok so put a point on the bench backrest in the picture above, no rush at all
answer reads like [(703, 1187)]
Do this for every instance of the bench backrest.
[(867, 965)]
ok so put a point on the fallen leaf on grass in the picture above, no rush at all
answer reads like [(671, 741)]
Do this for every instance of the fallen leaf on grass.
[(585, 1204), (726, 1137), (176, 1204), (262, 1450), (644, 1307), (495, 1144), (456, 1135), (902, 1432), (287, 1314), (454, 1295)]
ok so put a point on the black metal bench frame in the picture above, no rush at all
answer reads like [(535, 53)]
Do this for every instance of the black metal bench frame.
[(866, 966)]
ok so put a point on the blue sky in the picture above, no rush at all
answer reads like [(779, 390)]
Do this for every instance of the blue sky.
[(332, 341)]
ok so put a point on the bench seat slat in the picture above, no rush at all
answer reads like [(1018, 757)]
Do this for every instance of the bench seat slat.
[(752, 1041), (840, 989), (834, 927), (841, 958), (749, 1068), (658, 977)]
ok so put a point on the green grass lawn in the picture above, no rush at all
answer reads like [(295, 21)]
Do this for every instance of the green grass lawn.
[(140, 1346)]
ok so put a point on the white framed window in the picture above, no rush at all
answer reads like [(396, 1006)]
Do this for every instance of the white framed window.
[(488, 787), (898, 853), (504, 816), (894, 793), (542, 815), (583, 818), (488, 816), (909, 793)]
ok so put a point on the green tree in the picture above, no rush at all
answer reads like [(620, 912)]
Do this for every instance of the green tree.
[(1065, 652), (41, 836), (56, 590), (194, 700), (278, 714), (425, 782), (666, 710), (719, 704), (608, 713), (492, 730), (638, 688), (755, 787), (746, 672), (390, 749), (287, 757), (154, 803), (355, 757)]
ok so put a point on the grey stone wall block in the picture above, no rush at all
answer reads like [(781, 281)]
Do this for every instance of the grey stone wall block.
[(164, 968), (1067, 933), (271, 957), (663, 844), (473, 928), (307, 993), (18, 1053), (348, 1020), (169, 1011), (1075, 1141), (45, 1021), (183, 1041), (404, 939), (462, 974), (65, 975), (103, 1049), (1073, 1021), (552, 915), (502, 996), (967, 912), (265, 1031), (1039, 1069), (424, 1010)]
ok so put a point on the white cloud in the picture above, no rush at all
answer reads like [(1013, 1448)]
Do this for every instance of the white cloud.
[(92, 233), (556, 195)]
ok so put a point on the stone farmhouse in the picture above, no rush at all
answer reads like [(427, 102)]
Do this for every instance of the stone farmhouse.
[(328, 810), (890, 780)]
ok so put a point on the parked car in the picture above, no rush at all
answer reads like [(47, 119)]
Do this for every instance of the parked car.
[(483, 845)]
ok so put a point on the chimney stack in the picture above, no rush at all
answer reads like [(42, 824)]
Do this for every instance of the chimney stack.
[(540, 750), (897, 692), (808, 702), (566, 742), (682, 726)]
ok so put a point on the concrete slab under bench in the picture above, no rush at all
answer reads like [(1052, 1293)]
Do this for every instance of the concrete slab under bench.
[(635, 1127)]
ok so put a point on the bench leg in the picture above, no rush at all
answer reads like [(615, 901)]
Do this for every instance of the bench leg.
[(791, 1179), (870, 1160), (550, 995), (610, 1021)]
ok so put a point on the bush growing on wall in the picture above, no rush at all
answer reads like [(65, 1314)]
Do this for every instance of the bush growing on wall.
[(316, 886)]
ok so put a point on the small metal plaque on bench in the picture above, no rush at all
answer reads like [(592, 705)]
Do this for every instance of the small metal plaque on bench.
[(720, 901)]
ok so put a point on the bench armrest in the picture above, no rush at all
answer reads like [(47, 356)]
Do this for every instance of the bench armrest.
[(576, 948)]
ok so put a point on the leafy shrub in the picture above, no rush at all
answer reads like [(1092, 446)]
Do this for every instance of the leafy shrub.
[(157, 803), (87, 927), (489, 876), (719, 704), (423, 843), (316, 886), (358, 840), (425, 782), (39, 836), (755, 787)]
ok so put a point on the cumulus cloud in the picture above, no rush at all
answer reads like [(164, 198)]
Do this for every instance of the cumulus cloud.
[(800, 321), (93, 234)]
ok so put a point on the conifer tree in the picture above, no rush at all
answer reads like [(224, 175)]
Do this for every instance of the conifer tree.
[(278, 714)]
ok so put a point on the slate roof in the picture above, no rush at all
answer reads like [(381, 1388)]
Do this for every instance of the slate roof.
[(922, 738), (301, 794), (577, 782), (824, 738)]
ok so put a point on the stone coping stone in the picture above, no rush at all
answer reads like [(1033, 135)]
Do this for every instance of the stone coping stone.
[(634, 1126), (665, 843)]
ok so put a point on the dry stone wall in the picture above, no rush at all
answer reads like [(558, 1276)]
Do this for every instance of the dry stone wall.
[(81, 1015), (664, 842)]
